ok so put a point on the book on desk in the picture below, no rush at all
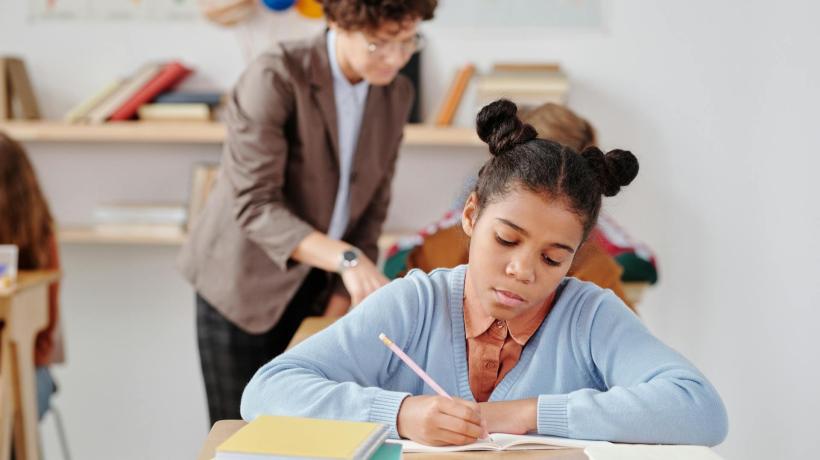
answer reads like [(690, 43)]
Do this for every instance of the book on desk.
[(276, 437)]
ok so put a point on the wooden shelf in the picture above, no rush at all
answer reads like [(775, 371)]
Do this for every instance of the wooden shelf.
[(87, 235), (196, 133)]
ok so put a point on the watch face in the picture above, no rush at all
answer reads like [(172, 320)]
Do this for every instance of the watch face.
[(349, 256)]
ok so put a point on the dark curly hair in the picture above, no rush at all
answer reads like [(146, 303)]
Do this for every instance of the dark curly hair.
[(370, 14), (542, 166)]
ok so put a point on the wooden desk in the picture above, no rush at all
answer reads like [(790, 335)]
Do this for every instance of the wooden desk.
[(224, 428), (310, 326), (24, 312)]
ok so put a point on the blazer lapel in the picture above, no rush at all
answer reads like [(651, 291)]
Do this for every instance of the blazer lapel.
[(368, 161), (321, 80)]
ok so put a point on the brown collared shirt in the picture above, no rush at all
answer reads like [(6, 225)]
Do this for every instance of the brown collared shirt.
[(494, 346)]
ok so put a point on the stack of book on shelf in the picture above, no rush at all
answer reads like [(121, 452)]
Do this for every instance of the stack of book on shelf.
[(139, 220), (147, 94), (528, 85), (277, 437)]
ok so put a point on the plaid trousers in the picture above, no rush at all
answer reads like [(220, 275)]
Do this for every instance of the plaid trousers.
[(230, 356)]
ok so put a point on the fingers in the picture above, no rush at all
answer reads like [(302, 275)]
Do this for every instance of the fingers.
[(459, 408), (456, 430)]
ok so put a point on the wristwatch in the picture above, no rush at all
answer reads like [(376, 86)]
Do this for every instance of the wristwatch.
[(349, 259)]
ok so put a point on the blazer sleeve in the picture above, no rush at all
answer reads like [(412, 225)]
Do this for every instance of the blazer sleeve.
[(255, 157)]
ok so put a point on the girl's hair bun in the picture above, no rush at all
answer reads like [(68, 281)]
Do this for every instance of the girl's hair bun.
[(614, 170), (498, 125)]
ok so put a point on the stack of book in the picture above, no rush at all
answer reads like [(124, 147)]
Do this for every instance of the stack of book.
[(136, 219), (528, 85), (147, 94), (280, 437)]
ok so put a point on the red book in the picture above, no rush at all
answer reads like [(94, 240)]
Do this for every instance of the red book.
[(171, 74)]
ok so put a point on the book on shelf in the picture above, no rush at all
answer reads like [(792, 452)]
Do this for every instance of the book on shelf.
[(5, 97), (17, 99), (202, 182), (103, 111), (504, 442), (169, 76), (454, 95), (211, 98), (171, 231), (80, 112), (529, 85), (270, 437), (140, 214), (174, 112)]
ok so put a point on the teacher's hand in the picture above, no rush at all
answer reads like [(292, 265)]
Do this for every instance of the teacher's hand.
[(361, 280)]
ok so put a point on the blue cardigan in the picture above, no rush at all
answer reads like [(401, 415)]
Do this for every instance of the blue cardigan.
[(597, 372)]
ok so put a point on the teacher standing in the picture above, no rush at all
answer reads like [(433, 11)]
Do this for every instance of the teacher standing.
[(291, 227)]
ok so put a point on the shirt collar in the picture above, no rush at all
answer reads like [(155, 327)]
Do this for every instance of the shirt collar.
[(335, 69), (476, 321), (523, 327)]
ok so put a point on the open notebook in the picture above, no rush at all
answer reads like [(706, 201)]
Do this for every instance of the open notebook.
[(503, 441)]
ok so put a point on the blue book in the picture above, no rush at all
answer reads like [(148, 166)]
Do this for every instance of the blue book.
[(183, 97), (387, 451)]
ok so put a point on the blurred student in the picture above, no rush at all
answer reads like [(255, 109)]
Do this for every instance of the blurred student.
[(25, 220)]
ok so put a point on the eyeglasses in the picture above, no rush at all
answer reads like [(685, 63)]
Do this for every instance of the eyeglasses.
[(382, 48)]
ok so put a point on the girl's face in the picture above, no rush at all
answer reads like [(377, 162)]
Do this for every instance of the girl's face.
[(521, 247)]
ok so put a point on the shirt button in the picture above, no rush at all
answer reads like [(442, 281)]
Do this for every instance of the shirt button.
[(499, 324)]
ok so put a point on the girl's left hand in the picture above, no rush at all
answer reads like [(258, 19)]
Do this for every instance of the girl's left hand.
[(513, 417)]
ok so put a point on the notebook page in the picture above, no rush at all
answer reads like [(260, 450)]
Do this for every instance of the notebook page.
[(527, 442), (411, 446)]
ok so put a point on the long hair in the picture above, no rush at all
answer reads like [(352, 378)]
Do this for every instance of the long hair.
[(25, 219)]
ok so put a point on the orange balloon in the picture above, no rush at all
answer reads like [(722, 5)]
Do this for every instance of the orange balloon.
[(310, 8)]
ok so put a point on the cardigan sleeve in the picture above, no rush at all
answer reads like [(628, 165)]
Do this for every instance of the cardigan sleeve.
[(340, 372), (651, 393)]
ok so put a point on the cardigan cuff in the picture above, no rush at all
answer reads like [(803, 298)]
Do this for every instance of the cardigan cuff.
[(385, 410), (552, 415)]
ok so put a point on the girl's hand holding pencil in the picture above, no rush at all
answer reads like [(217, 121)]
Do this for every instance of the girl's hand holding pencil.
[(436, 420), (439, 421)]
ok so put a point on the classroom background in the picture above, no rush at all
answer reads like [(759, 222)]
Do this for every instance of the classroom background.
[(717, 99)]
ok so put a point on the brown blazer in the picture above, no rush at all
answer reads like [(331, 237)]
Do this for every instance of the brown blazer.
[(278, 180)]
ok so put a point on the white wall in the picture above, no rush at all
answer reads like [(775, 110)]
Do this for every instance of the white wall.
[(716, 99)]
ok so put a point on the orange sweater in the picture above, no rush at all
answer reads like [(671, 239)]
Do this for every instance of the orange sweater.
[(47, 345)]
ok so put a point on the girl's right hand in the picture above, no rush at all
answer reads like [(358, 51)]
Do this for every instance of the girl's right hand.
[(439, 421)]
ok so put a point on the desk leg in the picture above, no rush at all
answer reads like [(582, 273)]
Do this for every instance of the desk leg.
[(28, 317), (6, 396), (25, 421)]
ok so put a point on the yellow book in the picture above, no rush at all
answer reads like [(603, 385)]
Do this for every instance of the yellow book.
[(174, 112), (279, 437)]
